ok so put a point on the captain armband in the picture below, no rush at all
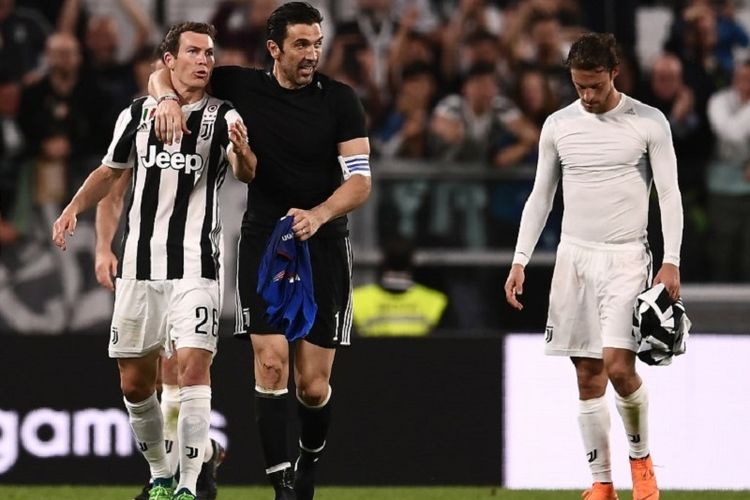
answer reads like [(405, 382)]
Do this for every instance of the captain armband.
[(355, 165)]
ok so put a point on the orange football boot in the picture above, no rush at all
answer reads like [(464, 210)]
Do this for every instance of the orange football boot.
[(644, 480), (600, 491)]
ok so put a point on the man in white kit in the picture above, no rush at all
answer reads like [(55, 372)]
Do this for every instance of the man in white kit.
[(168, 287), (606, 147)]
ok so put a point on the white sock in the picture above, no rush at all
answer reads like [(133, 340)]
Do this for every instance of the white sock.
[(634, 412), (148, 428), (170, 408), (192, 427), (593, 420)]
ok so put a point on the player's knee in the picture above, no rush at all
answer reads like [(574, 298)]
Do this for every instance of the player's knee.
[(193, 375), (621, 376), (313, 392), (270, 360), (270, 372), (136, 390)]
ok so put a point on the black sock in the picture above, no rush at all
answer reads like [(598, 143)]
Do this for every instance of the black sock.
[(314, 425), (271, 416)]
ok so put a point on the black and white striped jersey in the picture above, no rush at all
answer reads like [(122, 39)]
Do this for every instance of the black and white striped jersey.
[(173, 227)]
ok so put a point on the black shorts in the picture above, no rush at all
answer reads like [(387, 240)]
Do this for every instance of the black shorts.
[(331, 260)]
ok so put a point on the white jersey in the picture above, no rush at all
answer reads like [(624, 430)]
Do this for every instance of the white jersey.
[(173, 226), (607, 162)]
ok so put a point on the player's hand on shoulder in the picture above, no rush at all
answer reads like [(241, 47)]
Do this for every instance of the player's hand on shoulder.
[(669, 275), (169, 121), (514, 286), (66, 222), (306, 223)]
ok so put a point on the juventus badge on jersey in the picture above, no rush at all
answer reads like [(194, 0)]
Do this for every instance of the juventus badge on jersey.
[(209, 119)]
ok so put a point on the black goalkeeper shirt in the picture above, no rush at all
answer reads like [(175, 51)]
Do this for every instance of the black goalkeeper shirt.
[(295, 136)]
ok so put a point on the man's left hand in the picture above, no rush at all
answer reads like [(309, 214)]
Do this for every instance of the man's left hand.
[(669, 275)]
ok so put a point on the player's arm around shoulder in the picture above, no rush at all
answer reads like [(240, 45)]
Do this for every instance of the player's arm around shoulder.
[(169, 122)]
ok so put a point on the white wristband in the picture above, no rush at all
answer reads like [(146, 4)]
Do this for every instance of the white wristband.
[(168, 97)]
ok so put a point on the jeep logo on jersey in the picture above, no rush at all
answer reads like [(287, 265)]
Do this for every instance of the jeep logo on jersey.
[(178, 161)]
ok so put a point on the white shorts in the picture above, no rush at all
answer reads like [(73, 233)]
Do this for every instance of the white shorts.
[(164, 314), (591, 300)]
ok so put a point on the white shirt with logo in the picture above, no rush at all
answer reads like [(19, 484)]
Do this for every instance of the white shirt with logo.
[(607, 163)]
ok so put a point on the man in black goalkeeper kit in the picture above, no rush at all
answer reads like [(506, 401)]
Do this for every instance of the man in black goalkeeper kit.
[(308, 133)]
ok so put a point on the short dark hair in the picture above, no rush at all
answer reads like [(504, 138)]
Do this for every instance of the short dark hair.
[(417, 69), (290, 13), (171, 42), (593, 51), (478, 70), (398, 254)]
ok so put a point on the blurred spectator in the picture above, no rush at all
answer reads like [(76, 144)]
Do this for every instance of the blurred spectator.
[(50, 10), (628, 80), (428, 19), (242, 24), (469, 18), (396, 305), (535, 97), (11, 149), (693, 40), (409, 47), (101, 45), (404, 134), (480, 47), (357, 71), (22, 36), (547, 50), (232, 56), (481, 124), (64, 111), (668, 92), (728, 33), (729, 180), (404, 130), (144, 63), (371, 32)]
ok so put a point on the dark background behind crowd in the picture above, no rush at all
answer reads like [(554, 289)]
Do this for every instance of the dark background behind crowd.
[(455, 92)]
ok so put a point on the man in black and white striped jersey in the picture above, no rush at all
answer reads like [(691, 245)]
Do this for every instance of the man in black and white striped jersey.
[(168, 290)]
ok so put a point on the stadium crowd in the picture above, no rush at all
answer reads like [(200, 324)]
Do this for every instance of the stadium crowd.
[(443, 82)]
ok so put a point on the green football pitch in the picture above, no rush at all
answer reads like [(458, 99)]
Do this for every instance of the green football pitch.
[(341, 493)]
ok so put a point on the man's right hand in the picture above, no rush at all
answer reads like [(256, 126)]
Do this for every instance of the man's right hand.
[(106, 269), (65, 223), (169, 122), (514, 286)]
